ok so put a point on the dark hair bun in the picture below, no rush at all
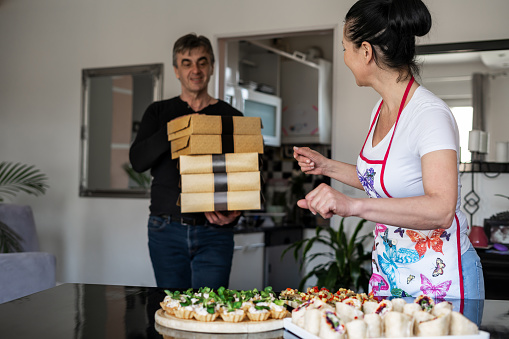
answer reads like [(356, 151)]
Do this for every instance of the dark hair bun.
[(409, 17), (391, 27)]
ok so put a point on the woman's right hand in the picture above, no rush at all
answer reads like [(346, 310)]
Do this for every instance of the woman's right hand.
[(310, 161)]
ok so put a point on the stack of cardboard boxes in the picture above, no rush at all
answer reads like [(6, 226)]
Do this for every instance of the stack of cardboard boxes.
[(218, 162)]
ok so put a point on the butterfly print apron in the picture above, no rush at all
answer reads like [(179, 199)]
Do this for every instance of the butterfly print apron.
[(406, 262)]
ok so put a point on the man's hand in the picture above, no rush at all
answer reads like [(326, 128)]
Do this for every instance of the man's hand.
[(221, 218)]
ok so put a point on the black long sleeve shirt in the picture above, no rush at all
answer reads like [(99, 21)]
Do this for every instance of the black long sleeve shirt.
[(151, 150)]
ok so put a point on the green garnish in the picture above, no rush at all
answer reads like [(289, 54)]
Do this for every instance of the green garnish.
[(186, 302), (280, 302), (176, 295)]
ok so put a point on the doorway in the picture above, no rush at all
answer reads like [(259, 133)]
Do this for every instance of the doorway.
[(257, 58)]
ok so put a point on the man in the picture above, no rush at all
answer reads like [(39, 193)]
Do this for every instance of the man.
[(191, 249)]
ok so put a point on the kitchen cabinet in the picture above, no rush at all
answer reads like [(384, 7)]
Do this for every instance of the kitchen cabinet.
[(248, 269), (258, 69), (307, 106), (496, 274), (302, 79), (282, 272), (257, 261), (305, 87)]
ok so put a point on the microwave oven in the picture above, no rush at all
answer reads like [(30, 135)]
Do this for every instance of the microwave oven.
[(257, 104)]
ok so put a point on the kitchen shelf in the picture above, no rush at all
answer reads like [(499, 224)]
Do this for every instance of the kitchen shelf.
[(484, 167)]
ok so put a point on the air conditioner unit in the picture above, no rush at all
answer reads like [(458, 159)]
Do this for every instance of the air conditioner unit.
[(496, 59)]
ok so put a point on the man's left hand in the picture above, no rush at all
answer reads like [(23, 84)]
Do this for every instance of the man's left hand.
[(221, 218)]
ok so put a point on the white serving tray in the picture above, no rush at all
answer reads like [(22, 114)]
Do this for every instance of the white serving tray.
[(301, 333)]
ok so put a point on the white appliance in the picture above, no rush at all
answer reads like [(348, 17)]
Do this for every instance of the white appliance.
[(257, 104), (306, 89)]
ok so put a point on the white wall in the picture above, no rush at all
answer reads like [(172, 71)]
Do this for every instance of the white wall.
[(46, 44)]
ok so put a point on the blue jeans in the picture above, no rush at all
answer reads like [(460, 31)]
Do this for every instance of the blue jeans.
[(473, 278), (189, 256), (473, 283)]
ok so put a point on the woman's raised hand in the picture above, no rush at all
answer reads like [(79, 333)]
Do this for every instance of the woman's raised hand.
[(310, 161), (326, 201)]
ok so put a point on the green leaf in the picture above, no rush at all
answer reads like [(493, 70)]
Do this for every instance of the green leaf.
[(308, 246), (331, 278), (304, 279), (15, 178), (185, 303), (354, 235), (341, 260)]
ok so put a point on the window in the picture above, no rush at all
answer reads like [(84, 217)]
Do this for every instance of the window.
[(464, 118)]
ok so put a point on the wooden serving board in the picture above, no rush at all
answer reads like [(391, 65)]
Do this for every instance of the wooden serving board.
[(218, 325)]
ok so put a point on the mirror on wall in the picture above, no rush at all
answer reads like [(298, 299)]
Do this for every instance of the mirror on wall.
[(448, 71), (112, 104)]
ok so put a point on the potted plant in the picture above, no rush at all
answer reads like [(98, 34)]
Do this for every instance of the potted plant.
[(142, 180), (346, 258), (15, 178)]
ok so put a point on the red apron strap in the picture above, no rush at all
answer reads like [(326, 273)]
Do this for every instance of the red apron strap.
[(401, 106)]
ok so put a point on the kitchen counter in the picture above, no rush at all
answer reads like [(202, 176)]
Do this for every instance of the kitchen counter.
[(275, 228)]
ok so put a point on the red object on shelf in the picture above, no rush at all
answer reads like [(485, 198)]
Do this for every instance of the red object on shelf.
[(478, 237)]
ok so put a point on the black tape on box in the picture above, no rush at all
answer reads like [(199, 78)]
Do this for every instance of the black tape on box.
[(220, 182), (220, 201), (218, 163), (227, 143), (227, 125)]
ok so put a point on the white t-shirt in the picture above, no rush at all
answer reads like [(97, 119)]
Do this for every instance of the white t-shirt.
[(426, 124)]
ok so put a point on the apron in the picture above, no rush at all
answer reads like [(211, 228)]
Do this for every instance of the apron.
[(406, 262)]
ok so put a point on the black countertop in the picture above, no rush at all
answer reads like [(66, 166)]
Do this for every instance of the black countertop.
[(86, 311)]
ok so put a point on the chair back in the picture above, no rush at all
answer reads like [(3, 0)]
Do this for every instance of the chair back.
[(20, 219)]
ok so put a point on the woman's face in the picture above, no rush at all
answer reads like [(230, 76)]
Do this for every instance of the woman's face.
[(353, 58)]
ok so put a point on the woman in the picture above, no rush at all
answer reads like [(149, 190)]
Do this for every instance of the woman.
[(410, 156)]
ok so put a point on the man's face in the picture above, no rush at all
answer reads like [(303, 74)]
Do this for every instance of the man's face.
[(194, 70)]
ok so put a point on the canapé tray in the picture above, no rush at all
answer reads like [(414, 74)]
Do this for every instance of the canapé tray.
[(302, 333), (218, 325)]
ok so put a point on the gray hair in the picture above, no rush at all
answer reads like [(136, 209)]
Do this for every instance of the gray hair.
[(189, 42)]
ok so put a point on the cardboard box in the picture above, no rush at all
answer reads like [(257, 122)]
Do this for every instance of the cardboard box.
[(220, 201), (220, 182), (219, 163), (212, 124), (216, 144)]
